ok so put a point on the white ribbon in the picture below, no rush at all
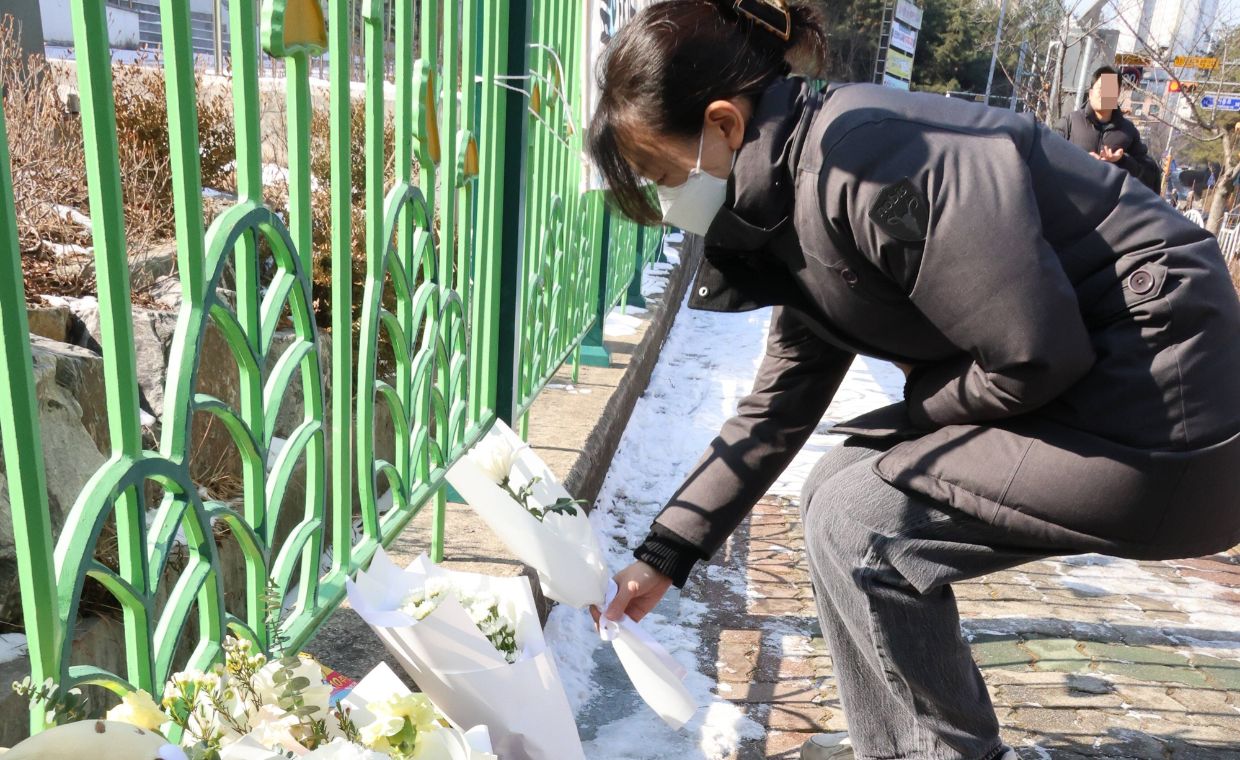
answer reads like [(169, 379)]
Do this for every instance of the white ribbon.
[(656, 675), (609, 631)]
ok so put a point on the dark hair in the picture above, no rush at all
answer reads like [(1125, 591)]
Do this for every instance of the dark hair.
[(1098, 72), (674, 59)]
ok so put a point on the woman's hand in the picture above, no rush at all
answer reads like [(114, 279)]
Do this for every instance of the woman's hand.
[(640, 587)]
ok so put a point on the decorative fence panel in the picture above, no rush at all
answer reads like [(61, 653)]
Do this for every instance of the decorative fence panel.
[(435, 362)]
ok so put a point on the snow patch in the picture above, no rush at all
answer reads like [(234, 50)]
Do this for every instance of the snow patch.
[(619, 325), (12, 646)]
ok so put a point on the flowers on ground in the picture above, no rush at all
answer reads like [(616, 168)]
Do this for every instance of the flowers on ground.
[(138, 708), (483, 608), (497, 458), (250, 704), (400, 720)]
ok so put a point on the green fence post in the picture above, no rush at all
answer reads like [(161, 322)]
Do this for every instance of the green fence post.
[(593, 350), (23, 455), (634, 295), (512, 231)]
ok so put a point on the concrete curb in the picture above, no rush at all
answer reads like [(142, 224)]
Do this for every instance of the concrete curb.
[(585, 479)]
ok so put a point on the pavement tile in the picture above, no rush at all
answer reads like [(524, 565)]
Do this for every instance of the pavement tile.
[(789, 690), (1063, 655), (1143, 663), (803, 717), (780, 607), (783, 744), (1001, 654)]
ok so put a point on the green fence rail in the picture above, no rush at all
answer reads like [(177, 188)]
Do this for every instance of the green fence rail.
[(485, 270)]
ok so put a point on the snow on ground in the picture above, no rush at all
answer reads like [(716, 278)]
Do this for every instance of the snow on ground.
[(621, 323), (869, 384), (705, 367)]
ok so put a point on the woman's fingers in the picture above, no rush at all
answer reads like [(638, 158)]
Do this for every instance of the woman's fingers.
[(615, 610), (642, 606)]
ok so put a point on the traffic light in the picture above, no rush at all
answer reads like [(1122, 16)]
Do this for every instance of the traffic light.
[(1175, 85)]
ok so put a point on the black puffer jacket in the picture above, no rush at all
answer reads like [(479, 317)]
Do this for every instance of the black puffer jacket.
[(1083, 129), (1076, 342)]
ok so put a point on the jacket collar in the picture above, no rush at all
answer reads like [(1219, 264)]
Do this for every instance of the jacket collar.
[(760, 194), (1093, 119)]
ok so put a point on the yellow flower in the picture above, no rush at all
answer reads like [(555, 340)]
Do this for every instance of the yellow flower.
[(416, 708), (137, 708), (399, 724)]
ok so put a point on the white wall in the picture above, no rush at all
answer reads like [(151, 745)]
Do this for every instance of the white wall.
[(1179, 25), (58, 25)]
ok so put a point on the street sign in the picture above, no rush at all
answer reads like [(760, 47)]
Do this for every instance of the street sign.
[(891, 81), (1196, 62), (903, 37), (1131, 59), (1218, 102), (909, 13), (899, 65)]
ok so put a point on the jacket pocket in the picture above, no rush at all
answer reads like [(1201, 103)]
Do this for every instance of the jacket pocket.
[(1142, 285)]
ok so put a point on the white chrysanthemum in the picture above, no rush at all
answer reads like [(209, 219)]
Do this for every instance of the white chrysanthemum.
[(496, 457), (483, 608)]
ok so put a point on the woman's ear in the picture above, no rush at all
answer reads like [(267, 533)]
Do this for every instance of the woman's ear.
[(729, 117)]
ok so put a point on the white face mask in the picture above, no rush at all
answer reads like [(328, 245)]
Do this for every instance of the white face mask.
[(692, 206)]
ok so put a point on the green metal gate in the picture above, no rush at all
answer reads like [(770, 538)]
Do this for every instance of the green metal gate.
[(484, 271)]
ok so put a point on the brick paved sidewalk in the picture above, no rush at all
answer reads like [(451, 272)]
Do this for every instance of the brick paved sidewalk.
[(1085, 657)]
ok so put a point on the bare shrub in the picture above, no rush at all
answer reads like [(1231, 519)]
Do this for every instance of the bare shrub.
[(49, 163)]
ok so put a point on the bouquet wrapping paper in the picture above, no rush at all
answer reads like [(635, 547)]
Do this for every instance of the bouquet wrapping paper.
[(564, 549), (473, 684)]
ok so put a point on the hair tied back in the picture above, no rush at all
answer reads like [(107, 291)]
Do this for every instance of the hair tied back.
[(772, 15)]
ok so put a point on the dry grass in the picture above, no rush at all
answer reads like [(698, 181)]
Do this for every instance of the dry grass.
[(49, 163)]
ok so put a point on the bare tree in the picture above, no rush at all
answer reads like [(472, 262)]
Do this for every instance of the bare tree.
[(1179, 91)]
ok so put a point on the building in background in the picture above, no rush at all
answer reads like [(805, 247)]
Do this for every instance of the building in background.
[(1182, 27), (134, 24)]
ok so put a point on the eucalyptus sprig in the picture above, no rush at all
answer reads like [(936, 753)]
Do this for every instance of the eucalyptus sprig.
[(525, 497), (59, 705)]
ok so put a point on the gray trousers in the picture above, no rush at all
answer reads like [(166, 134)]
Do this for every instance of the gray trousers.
[(882, 561)]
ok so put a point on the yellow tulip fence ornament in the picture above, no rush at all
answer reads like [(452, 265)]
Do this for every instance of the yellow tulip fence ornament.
[(291, 27)]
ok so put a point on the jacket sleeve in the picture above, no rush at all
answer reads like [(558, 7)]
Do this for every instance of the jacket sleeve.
[(982, 273), (796, 380), (1138, 162)]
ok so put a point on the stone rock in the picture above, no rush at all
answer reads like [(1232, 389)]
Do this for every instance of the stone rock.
[(147, 266), (52, 322), (70, 394)]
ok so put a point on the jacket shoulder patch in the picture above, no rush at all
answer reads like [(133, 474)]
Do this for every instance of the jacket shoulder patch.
[(902, 211)]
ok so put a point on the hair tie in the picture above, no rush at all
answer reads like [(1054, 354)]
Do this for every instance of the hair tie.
[(771, 15)]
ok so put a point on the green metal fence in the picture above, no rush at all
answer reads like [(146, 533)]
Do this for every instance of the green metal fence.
[(484, 271)]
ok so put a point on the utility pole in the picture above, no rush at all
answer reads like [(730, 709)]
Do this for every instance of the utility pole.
[(1020, 75), (219, 37), (29, 24), (994, 54)]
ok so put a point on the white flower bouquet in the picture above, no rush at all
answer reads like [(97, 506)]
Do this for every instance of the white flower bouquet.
[(519, 498), (474, 645), (250, 708)]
